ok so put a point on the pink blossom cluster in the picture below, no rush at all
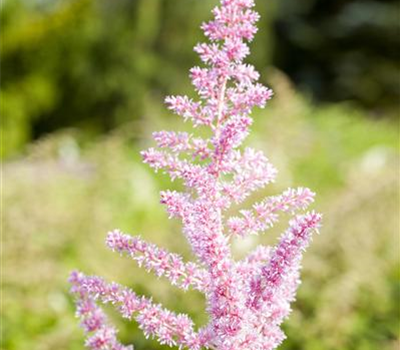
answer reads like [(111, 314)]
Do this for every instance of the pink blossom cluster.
[(247, 300)]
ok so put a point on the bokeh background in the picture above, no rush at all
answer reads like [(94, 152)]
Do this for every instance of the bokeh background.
[(82, 88)]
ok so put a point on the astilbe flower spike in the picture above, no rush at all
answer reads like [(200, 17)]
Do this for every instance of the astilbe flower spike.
[(246, 300)]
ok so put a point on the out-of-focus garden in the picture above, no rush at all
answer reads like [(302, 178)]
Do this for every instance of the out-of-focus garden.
[(82, 86)]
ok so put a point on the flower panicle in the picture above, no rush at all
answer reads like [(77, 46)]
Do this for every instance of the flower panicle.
[(246, 300)]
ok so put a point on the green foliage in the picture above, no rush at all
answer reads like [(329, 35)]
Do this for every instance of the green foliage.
[(66, 193), (91, 64), (342, 50), (95, 64)]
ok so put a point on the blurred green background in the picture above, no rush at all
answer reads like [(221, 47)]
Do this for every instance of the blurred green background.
[(81, 91)]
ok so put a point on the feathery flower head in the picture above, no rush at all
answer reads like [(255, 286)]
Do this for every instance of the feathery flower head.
[(247, 300)]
